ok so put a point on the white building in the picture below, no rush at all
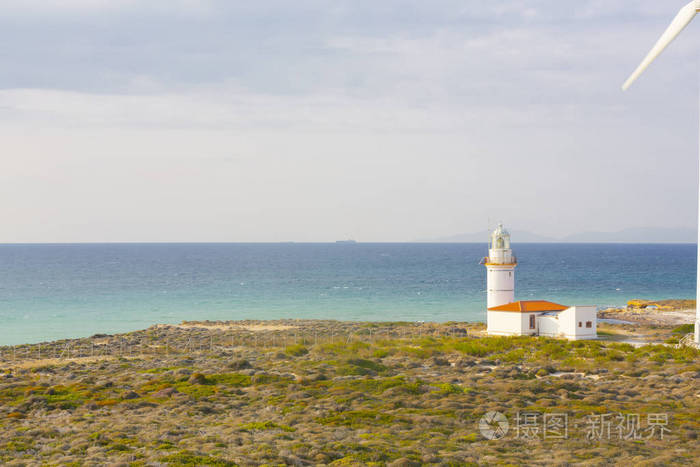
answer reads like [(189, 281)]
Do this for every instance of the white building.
[(507, 317)]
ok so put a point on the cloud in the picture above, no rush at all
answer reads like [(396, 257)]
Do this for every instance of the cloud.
[(385, 121), (40, 7)]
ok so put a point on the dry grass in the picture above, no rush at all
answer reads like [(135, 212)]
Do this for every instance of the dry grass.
[(396, 395)]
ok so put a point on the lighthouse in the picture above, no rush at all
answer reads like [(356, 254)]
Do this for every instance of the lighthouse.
[(500, 269), (506, 317)]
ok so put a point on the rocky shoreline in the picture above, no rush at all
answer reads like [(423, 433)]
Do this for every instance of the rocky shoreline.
[(301, 392), (649, 317)]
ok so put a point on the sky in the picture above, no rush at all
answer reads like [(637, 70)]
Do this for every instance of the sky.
[(183, 120)]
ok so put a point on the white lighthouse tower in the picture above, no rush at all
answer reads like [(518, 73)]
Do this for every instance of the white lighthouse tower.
[(500, 269)]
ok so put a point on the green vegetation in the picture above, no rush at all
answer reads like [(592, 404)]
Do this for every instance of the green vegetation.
[(372, 401), (685, 329), (187, 458), (197, 385), (296, 350), (230, 379), (19, 445), (445, 389), (360, 366), (379, 385), (357, 418)]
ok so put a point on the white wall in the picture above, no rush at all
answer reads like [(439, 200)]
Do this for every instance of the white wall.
[(562, 324), (509, 323), (570, 318), (525, 323), (548, 325), (500, 285)]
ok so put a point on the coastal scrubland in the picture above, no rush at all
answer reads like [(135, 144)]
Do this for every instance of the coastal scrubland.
[(341, 393)]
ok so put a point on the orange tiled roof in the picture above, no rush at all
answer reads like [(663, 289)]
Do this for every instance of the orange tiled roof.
[(523, 306)]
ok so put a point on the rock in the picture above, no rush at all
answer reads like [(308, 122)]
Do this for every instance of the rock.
[(437, 361), (514, 373), (240, 364), (463, 363), (205, 408), (310, 378), (167, 392), (197, 378), (130, 395), (294, 460)]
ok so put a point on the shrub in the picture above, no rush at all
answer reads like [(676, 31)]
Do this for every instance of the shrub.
[(380, 353), (231, 379), (470, 438), (239, 364), (684, 329), (448, 388), (514, 355), (197, 390), (342, 348), (198, 378), (296, 350), (379, 385), (188, 458), (266, 378), (358, 418), (486, 345), (264, 426), (19, 445), (360, 366)]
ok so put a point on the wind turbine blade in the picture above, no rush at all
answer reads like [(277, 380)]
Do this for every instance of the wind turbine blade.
[(684, 16)]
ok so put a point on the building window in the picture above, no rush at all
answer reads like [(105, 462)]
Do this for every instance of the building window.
[(532, 321), (510, 273), (580, 324), (589, 324)]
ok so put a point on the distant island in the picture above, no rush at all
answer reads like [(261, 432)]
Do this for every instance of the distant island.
[(346, 241), (630, 235)]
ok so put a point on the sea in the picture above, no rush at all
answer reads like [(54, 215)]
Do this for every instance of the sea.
[(56, 291)]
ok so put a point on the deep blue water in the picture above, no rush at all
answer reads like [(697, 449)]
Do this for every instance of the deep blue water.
[(57, 291)]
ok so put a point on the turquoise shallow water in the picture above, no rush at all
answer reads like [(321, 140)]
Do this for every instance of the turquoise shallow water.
[(57, 291)]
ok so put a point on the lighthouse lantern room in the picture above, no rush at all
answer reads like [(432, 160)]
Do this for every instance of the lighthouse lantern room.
[(500, 266)]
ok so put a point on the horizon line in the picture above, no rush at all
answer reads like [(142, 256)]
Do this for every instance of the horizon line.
[(334, 242)]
